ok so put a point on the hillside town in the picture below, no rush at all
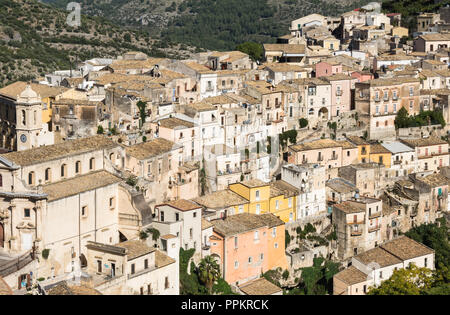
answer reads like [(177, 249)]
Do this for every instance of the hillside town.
[(123, 176)]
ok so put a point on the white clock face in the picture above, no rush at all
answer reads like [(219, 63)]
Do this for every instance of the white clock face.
[(23, 138)]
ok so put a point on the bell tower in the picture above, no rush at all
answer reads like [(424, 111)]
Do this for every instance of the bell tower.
[(28, 119)]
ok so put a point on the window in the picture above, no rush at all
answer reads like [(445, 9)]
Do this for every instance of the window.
[(162, 216), (261, 257), (365, 288), (149, 289), (48, 175), (146, 264), (112, 202), (166, 283), (141, 290), (63, 170), (190, 232), (195, 214), (92, 164), (133, 269), (31, 178), (177, 217), (277, 204), (425, 263), (236, 264), (84, 211), (250, 260), (290, 202), (257, 195), (275, 245), (256, 236), (99, 266), (274, 231), (26, 213), (381, 274)]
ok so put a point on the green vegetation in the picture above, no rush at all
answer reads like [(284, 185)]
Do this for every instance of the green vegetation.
[(412, 281), (35, 39), (423, 281), (45, 253), (254, 50), (435, 237), (303, 122), (132, 181), (409, 9), (142, 112), (208, 272), (100, 130), (290, 135), (287, 238), (424, 118), (318, 279)]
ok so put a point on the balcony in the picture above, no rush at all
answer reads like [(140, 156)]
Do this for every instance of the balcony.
[(395, 98), (377, 99), (334, 157), (304, 161), (374, 228), (339, 93), (320, 158), (356, 233), (209, 89), (397, 162), (375, 215)]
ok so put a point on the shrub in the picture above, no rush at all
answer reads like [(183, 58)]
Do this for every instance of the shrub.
[(45, 253)]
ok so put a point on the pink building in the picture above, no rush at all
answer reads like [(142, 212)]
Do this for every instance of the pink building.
[(327, 68), (246, 245), (326, 152), (362, 76), (340, 93)]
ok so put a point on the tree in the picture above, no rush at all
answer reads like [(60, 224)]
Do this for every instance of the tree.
[(409, 281), (303, 122), (203, 180), (100, 130), (254, 50), (142, 111), (208, 272), (436, 237), (318, 279)]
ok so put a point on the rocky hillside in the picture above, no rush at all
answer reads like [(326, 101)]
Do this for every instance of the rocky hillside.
[(35, 39), (212, 24)]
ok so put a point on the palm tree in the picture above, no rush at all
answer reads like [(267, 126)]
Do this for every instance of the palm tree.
[(208, 272)]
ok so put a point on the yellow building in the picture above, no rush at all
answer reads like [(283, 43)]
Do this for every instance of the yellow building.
[(363, 148), (380, 155), (278, 198), (283, 200), (256, 192)]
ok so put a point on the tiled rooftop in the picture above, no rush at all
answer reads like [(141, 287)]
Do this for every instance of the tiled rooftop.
[(61, 150), (79, 184)]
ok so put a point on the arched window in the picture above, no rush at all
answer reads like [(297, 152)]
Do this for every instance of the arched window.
[(77, 167), (92, 164), (48, 175), (63, 170), (31, 178), (24, 117)]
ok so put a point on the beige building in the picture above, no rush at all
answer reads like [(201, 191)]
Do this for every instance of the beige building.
[(379, 100), (371, 268)]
